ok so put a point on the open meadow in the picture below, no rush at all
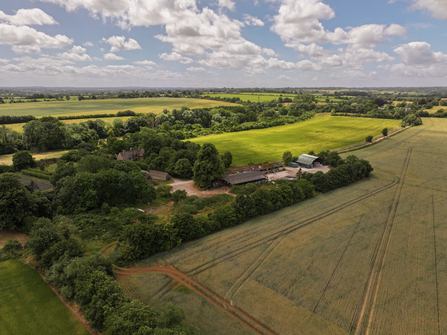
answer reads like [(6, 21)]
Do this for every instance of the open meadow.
[(369, 258), (319, 133), (28, 306), (108, 106)]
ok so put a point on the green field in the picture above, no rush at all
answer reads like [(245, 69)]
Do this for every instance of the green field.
[(86, 107), (319, 133), (29, 306), (369, 258)]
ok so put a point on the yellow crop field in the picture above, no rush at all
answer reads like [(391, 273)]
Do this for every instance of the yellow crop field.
[(366, 259)]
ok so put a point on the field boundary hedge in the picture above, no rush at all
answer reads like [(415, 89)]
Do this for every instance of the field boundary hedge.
[(36, 174)]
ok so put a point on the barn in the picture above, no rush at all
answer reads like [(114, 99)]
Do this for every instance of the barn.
[(159, 175), (245, 178), (309, 161)]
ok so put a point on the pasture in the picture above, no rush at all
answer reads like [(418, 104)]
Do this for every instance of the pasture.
[(368, 258), (28, 306), (319, 133), (107, 106)]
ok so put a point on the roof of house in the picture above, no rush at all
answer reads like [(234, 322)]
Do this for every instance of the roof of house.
[(127, 154), (158, 175), (307, 159), (246, 177)]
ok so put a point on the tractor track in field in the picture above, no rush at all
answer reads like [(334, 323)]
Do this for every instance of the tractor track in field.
[(187, 281), (374, 278), (292, 228), (333, 272), (436, 262)]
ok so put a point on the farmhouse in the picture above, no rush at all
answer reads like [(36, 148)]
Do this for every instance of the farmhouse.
[(244, 178), (309, 161), (131, 155)]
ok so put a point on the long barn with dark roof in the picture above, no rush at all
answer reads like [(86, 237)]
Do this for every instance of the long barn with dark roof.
[(245, 178)]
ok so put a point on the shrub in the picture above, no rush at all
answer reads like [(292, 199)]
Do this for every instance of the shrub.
[(369, 138)]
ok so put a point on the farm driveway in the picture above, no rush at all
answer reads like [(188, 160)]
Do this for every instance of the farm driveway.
[(188, 186)]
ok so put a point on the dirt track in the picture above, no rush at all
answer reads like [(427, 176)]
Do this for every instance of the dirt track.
[(183, 279), (190, 190), (12, 235)]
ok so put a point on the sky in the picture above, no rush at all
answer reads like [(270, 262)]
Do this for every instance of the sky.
[(223, 43)]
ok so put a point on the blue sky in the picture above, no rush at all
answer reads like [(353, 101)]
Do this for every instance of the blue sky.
[(217, 43)]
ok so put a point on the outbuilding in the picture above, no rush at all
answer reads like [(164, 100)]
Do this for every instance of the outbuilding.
[(245, 178), (309, 161), (158, 175)]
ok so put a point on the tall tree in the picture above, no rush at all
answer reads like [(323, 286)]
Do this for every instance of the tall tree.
[(208, 166)]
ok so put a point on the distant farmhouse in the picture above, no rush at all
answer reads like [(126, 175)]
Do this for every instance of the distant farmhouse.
[(309, 161), (131, 155)]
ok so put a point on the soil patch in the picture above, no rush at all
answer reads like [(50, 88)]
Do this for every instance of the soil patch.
[(12, 235)]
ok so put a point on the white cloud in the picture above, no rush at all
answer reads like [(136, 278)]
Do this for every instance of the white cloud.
[(119, 43), (228, 4), (74, 57), (88, 44), (24, 39), (307, 65), (298, 21), (252, 21), (196, 69), (437, 8), (4, 61), (269, 52), (175, 57), (419, 53), (111, 56), (24, 17), (78, 50), (145, 62)]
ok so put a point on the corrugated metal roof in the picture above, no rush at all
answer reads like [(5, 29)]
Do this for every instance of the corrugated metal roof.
[(246, 177), (306, 159)]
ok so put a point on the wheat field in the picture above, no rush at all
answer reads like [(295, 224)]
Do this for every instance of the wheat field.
[(369, 258)]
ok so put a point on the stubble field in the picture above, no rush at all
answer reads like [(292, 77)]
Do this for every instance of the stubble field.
[(369, 258), (107, 106)]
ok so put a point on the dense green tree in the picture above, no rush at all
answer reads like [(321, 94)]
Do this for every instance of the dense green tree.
[(208, 166), (224, 217), (287, 157), (132, 318), (22, 160), (385, 132), (14, 201), (164, 191), (43, 236), (187, 227), (61, 172), (369, 138), (183, 168), (70, 248), (227, 159), (179, 195)]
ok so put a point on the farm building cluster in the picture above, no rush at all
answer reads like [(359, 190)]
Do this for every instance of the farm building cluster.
[(270, 171), (255, 173)]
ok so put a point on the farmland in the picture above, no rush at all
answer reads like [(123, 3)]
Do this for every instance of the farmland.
[(365, 259), (319, 133), (86, 107), (18, 127), (29, 306), (264, 97)]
